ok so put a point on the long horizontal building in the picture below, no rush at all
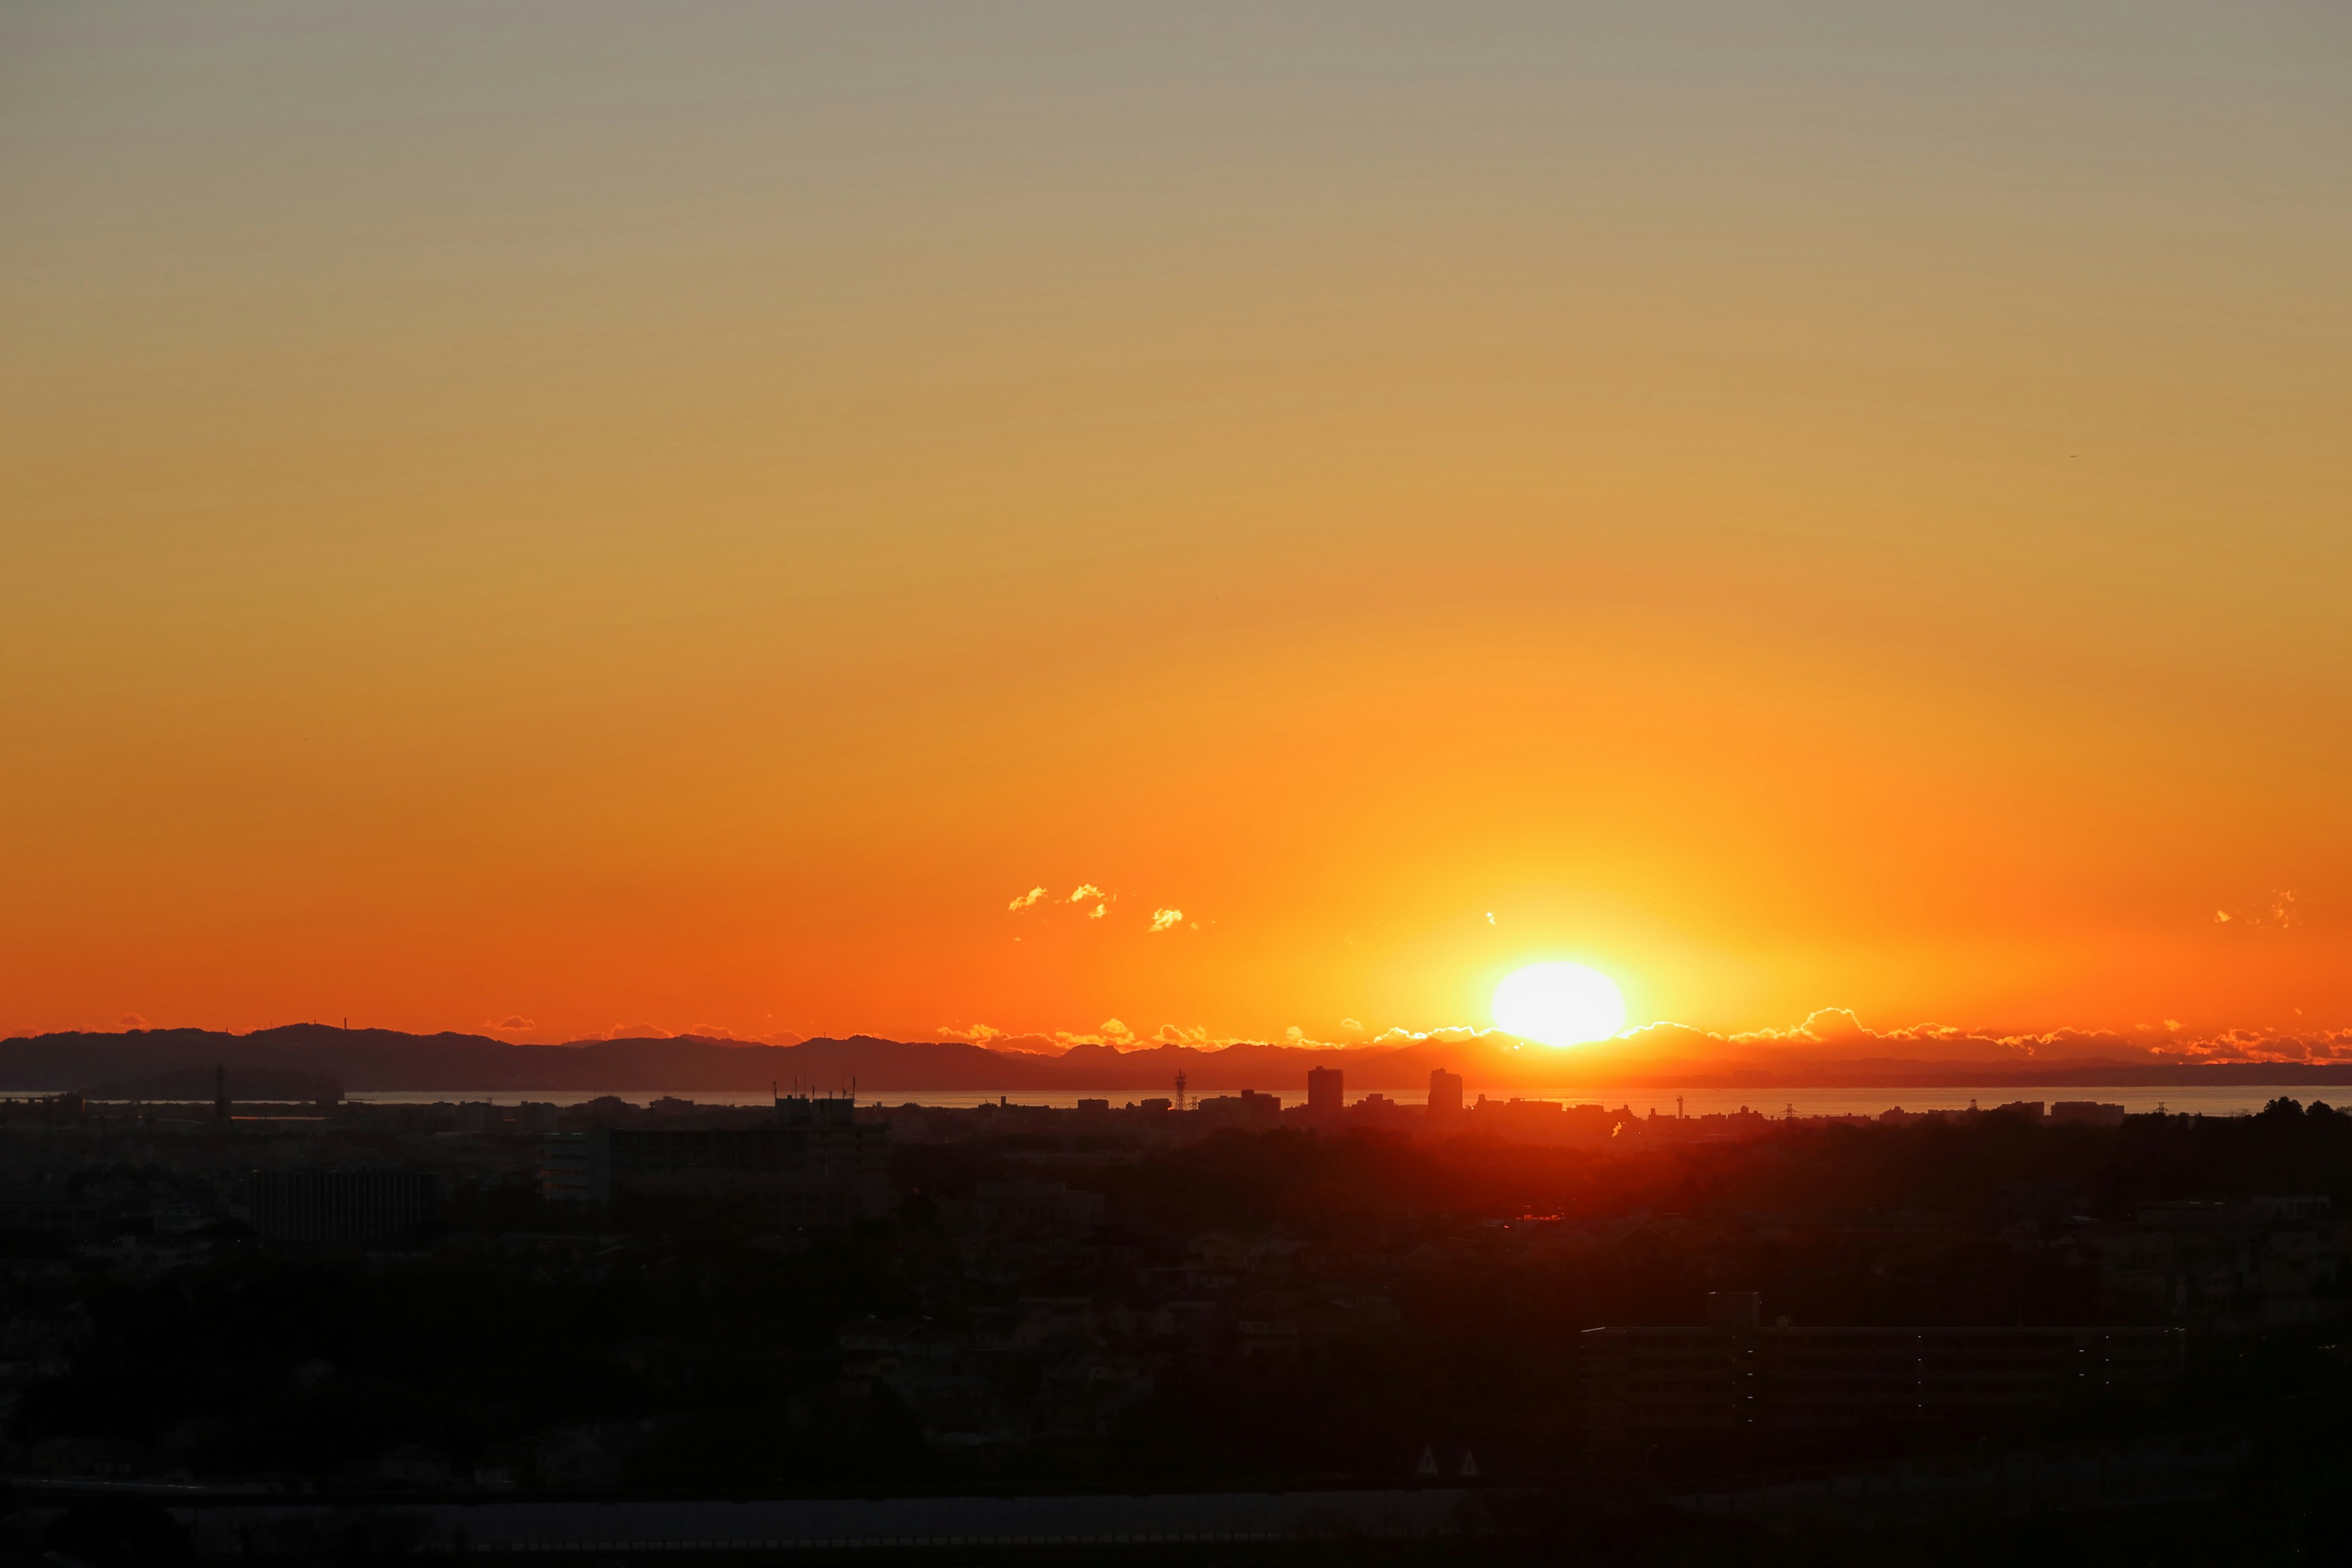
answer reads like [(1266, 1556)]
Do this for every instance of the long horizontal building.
[(346, 1207), (1647, 1384), (818, 1163)]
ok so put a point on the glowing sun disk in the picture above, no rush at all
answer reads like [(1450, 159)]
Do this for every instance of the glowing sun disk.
[(1559, 1004)]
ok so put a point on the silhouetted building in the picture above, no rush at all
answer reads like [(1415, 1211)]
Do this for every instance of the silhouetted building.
[(1542, 1121), (49, 1110), (348, 1206), (1445, 1093), (2076, 1113), (820, 1164), (1325, 1091), (1735, 1374), (1248, 1110)]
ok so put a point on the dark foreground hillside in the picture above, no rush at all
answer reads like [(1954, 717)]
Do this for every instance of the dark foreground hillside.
[(1252, 1312)]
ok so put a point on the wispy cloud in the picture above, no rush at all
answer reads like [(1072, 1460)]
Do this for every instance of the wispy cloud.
[(1449, 1034), (2278, 915), (133, 1021), (1822, 1027), (1095, 900)]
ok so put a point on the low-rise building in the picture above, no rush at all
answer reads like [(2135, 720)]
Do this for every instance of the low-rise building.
[(818, 1163), (343, 1206), (1734, 1372), (46, 1211), (1518, 1120), (1249, 1111)]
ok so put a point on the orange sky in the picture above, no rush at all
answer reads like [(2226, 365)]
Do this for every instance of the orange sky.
[(677, 516)]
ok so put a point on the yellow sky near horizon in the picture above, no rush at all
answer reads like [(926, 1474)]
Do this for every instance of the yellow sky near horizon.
[(611, 514)]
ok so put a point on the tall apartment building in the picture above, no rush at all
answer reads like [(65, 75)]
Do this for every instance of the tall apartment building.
[(1326, 1092), (1445, 1093)]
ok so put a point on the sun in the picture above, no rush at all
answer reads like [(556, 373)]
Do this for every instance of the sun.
[(1559, 1004)]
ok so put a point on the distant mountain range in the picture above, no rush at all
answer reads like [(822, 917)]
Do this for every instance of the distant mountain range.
[(365, 1060)]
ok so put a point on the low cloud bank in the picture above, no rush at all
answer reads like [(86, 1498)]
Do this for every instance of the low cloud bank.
[(1827, 1035), (1836, 1034)]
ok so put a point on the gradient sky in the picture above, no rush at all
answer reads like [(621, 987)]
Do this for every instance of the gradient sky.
[(678, 515)]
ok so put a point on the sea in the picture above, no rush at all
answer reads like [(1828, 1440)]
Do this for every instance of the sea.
[(2217, 1099)]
